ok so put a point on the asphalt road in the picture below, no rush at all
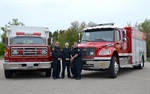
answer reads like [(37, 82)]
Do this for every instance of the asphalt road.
[(129, 81)]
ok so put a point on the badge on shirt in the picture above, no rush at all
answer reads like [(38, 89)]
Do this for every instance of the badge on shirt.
[(78, 49), (53, 49)]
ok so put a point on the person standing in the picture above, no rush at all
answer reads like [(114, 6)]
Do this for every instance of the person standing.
[(77, 63), (66, 55), (56, 56)]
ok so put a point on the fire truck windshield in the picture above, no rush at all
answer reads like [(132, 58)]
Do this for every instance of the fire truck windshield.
[(100, 35), (28, 40)]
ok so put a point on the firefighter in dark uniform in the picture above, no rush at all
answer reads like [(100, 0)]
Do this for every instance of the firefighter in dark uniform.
[(77, 64), (56, 56), (66, 55)]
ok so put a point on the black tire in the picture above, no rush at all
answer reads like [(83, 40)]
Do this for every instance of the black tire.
[(113, 68), (140, 66), (48, 73), (8, 73)]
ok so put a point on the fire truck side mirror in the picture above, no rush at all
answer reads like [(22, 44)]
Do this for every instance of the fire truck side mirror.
[(124, 34), (124, 39), (79, 37)]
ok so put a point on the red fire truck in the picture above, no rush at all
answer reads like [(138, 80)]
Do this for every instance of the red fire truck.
[(27, 49), (107, 47)]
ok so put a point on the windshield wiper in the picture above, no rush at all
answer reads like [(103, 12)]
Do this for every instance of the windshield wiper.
[(99, 40)]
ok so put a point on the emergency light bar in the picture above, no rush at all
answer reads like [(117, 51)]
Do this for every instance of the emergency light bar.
[(23, 33), (37, 33), (104, 24), (20, 33)]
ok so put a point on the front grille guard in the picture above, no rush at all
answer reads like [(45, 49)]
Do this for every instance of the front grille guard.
[(29, 51)]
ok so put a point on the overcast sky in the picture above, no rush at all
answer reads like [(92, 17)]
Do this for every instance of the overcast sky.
[(58, 14)]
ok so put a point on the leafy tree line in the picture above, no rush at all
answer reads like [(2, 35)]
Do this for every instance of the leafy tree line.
[(70, 35)]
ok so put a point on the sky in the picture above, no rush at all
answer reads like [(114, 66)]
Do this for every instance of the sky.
[(58, 14)]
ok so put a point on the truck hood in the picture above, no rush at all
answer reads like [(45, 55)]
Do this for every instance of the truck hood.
[(28, 45), (94, 44)]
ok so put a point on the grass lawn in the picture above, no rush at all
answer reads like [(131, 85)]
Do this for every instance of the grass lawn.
[(148, 59)]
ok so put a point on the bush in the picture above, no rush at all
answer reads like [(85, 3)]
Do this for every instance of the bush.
[(2, 48)]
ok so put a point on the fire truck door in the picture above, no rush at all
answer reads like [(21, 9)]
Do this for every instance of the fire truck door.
[(118, 41)]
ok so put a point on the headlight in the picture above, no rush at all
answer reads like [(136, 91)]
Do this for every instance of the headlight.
[(14, 52), (91, 53), (44, 52), (105, 52)]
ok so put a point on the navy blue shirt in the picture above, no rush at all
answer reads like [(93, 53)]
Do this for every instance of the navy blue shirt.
[(66, 52), (77, 51), (56, 53)]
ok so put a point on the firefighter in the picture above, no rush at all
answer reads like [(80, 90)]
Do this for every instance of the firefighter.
[(66, 55), (76, 57), (56, 56)]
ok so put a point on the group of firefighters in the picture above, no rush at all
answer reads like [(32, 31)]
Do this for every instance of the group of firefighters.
[(66, 55)]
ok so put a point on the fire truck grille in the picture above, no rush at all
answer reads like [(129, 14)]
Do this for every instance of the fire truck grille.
[(30, 51), (88, 51)]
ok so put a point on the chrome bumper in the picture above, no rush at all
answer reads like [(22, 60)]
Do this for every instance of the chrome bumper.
[(97, 63), (26, 65)]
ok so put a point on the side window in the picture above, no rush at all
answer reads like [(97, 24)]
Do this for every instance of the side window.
[(117, 35)]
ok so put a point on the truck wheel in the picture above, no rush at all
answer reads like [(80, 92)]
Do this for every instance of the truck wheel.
[(113, 68), (48, 72), (141, 65), (8, 73)]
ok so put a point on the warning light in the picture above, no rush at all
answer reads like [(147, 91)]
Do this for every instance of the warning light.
[(20, 33), (37, 33)]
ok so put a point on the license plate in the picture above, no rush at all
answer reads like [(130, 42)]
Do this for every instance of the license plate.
[(102, 64), (29, 66)]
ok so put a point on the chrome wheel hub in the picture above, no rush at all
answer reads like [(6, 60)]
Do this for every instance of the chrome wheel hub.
[(116, 67)]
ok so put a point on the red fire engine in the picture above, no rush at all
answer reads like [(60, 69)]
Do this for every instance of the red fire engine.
[(27, 49), (105, 46)]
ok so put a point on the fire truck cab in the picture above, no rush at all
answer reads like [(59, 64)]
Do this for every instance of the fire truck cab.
[(27, 49), (107, 47)]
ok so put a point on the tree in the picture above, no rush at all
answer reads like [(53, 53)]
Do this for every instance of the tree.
[(15, 22), (71, 34), (91, 23), (2, 48)]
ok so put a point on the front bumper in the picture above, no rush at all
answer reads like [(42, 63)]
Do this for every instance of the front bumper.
[(96, 63), (26, 65)]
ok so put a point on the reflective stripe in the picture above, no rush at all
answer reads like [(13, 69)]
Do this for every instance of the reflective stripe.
[(125, 54), (102, 58)]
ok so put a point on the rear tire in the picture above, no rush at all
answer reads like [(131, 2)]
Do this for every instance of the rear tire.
[(48, 73), (113, 68), (8, 73), (141, 65)]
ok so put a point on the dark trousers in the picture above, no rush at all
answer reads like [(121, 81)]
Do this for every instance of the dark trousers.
[(77, 68), (56, 68), (64, 65)]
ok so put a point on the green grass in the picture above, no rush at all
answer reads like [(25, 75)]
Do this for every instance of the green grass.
[(148, 59), (1, 57)]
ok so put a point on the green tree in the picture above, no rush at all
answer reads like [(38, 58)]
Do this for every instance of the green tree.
[(2, 48), (71, 34)]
